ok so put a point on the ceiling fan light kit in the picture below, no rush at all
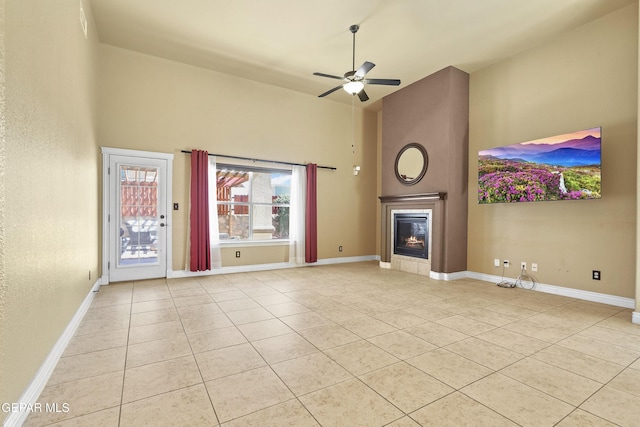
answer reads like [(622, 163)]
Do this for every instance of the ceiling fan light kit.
[(354, 80), (353, 87)]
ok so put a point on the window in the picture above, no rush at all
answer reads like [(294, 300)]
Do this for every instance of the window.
[(252, 203)]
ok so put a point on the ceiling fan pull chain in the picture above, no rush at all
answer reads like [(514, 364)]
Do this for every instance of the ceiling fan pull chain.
[(353, 127)]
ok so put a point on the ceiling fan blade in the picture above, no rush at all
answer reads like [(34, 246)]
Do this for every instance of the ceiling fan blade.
[(328, 75), (330, 91), (363, 96), (387, 82), (364, 69)]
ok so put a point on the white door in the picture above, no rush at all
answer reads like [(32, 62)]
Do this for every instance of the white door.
[(137, 213)]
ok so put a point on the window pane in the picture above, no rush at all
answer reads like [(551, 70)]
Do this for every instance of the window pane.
[(238, 208), (234, 222), (262, 222), (253, 204), (281, 184), (281, 222), (138, 215)]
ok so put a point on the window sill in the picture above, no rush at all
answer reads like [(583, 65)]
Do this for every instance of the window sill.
[(249, 243)]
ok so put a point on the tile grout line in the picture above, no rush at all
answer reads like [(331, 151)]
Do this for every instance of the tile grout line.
[(195, 359), (315, 284), (270, 367), (126, 354)]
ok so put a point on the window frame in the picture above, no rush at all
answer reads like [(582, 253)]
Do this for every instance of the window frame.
[(250, 204)]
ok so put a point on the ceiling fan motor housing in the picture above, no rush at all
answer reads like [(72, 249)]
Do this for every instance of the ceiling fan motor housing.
[(351, 76)]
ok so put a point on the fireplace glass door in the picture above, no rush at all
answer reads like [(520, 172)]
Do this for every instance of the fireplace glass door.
[(411, 233)]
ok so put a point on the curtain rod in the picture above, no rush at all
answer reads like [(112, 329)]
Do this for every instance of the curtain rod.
[(261, 160)]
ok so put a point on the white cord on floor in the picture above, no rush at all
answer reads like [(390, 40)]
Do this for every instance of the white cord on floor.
[(505, 283), (525, 281)]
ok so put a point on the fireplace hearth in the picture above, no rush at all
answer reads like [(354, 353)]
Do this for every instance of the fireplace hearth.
[(411, 235)]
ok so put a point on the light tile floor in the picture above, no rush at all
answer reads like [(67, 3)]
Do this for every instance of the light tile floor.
[(344, 345)]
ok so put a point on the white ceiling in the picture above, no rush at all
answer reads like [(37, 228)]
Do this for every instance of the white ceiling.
[(282, 42)]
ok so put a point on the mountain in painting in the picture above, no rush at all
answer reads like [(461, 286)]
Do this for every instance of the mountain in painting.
[(587, 143), (573, 152), (566, 157)]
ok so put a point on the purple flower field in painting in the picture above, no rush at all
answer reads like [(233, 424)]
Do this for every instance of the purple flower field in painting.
[(566, 167)]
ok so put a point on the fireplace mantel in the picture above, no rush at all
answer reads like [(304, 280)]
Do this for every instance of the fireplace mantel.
[(413, 197)]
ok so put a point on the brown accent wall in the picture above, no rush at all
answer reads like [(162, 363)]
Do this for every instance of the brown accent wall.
[(433, 112)]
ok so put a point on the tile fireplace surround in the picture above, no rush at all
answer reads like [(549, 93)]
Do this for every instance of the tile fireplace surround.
[(410, 264), (432, 203)]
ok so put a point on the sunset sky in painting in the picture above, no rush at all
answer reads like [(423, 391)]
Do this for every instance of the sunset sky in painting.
[(595, 132)]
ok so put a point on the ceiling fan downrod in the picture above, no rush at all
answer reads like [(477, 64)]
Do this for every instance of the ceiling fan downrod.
[(354, 29)]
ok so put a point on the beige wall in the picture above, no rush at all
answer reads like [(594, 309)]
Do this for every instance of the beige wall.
[(50, 208), (582, 79), (637, 277), (3, 282), (152, 104), (49, 176)]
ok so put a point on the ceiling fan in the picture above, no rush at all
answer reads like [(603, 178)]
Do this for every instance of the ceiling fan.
[(355, 80)]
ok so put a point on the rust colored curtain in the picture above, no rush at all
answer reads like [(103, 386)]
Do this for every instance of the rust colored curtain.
[(311, 216), (200, 248)]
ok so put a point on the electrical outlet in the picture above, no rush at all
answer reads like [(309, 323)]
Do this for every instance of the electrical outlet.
[(523, 265), (176, 206), (595, 275), (496, 262), (237, 254), (339, 248), (534, 266), (505, 263)]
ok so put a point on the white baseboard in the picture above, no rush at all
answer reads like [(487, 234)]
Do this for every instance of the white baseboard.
[(567, 292), (434, 274), (39, 381), (540, 287), (175, 274), (635, 317), (448, 276), (346, 260)]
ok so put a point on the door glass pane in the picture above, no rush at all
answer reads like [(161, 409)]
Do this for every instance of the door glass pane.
[(138, 215)]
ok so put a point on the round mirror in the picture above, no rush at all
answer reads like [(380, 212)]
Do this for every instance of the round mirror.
[(411, 163)]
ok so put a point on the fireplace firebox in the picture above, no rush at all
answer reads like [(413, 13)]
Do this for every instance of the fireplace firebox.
[(411, 235)]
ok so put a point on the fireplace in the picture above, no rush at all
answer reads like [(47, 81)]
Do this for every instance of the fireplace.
[(431, 205), (411, 235)]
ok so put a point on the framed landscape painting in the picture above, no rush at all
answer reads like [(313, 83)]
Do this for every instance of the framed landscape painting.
[(562, 167)]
